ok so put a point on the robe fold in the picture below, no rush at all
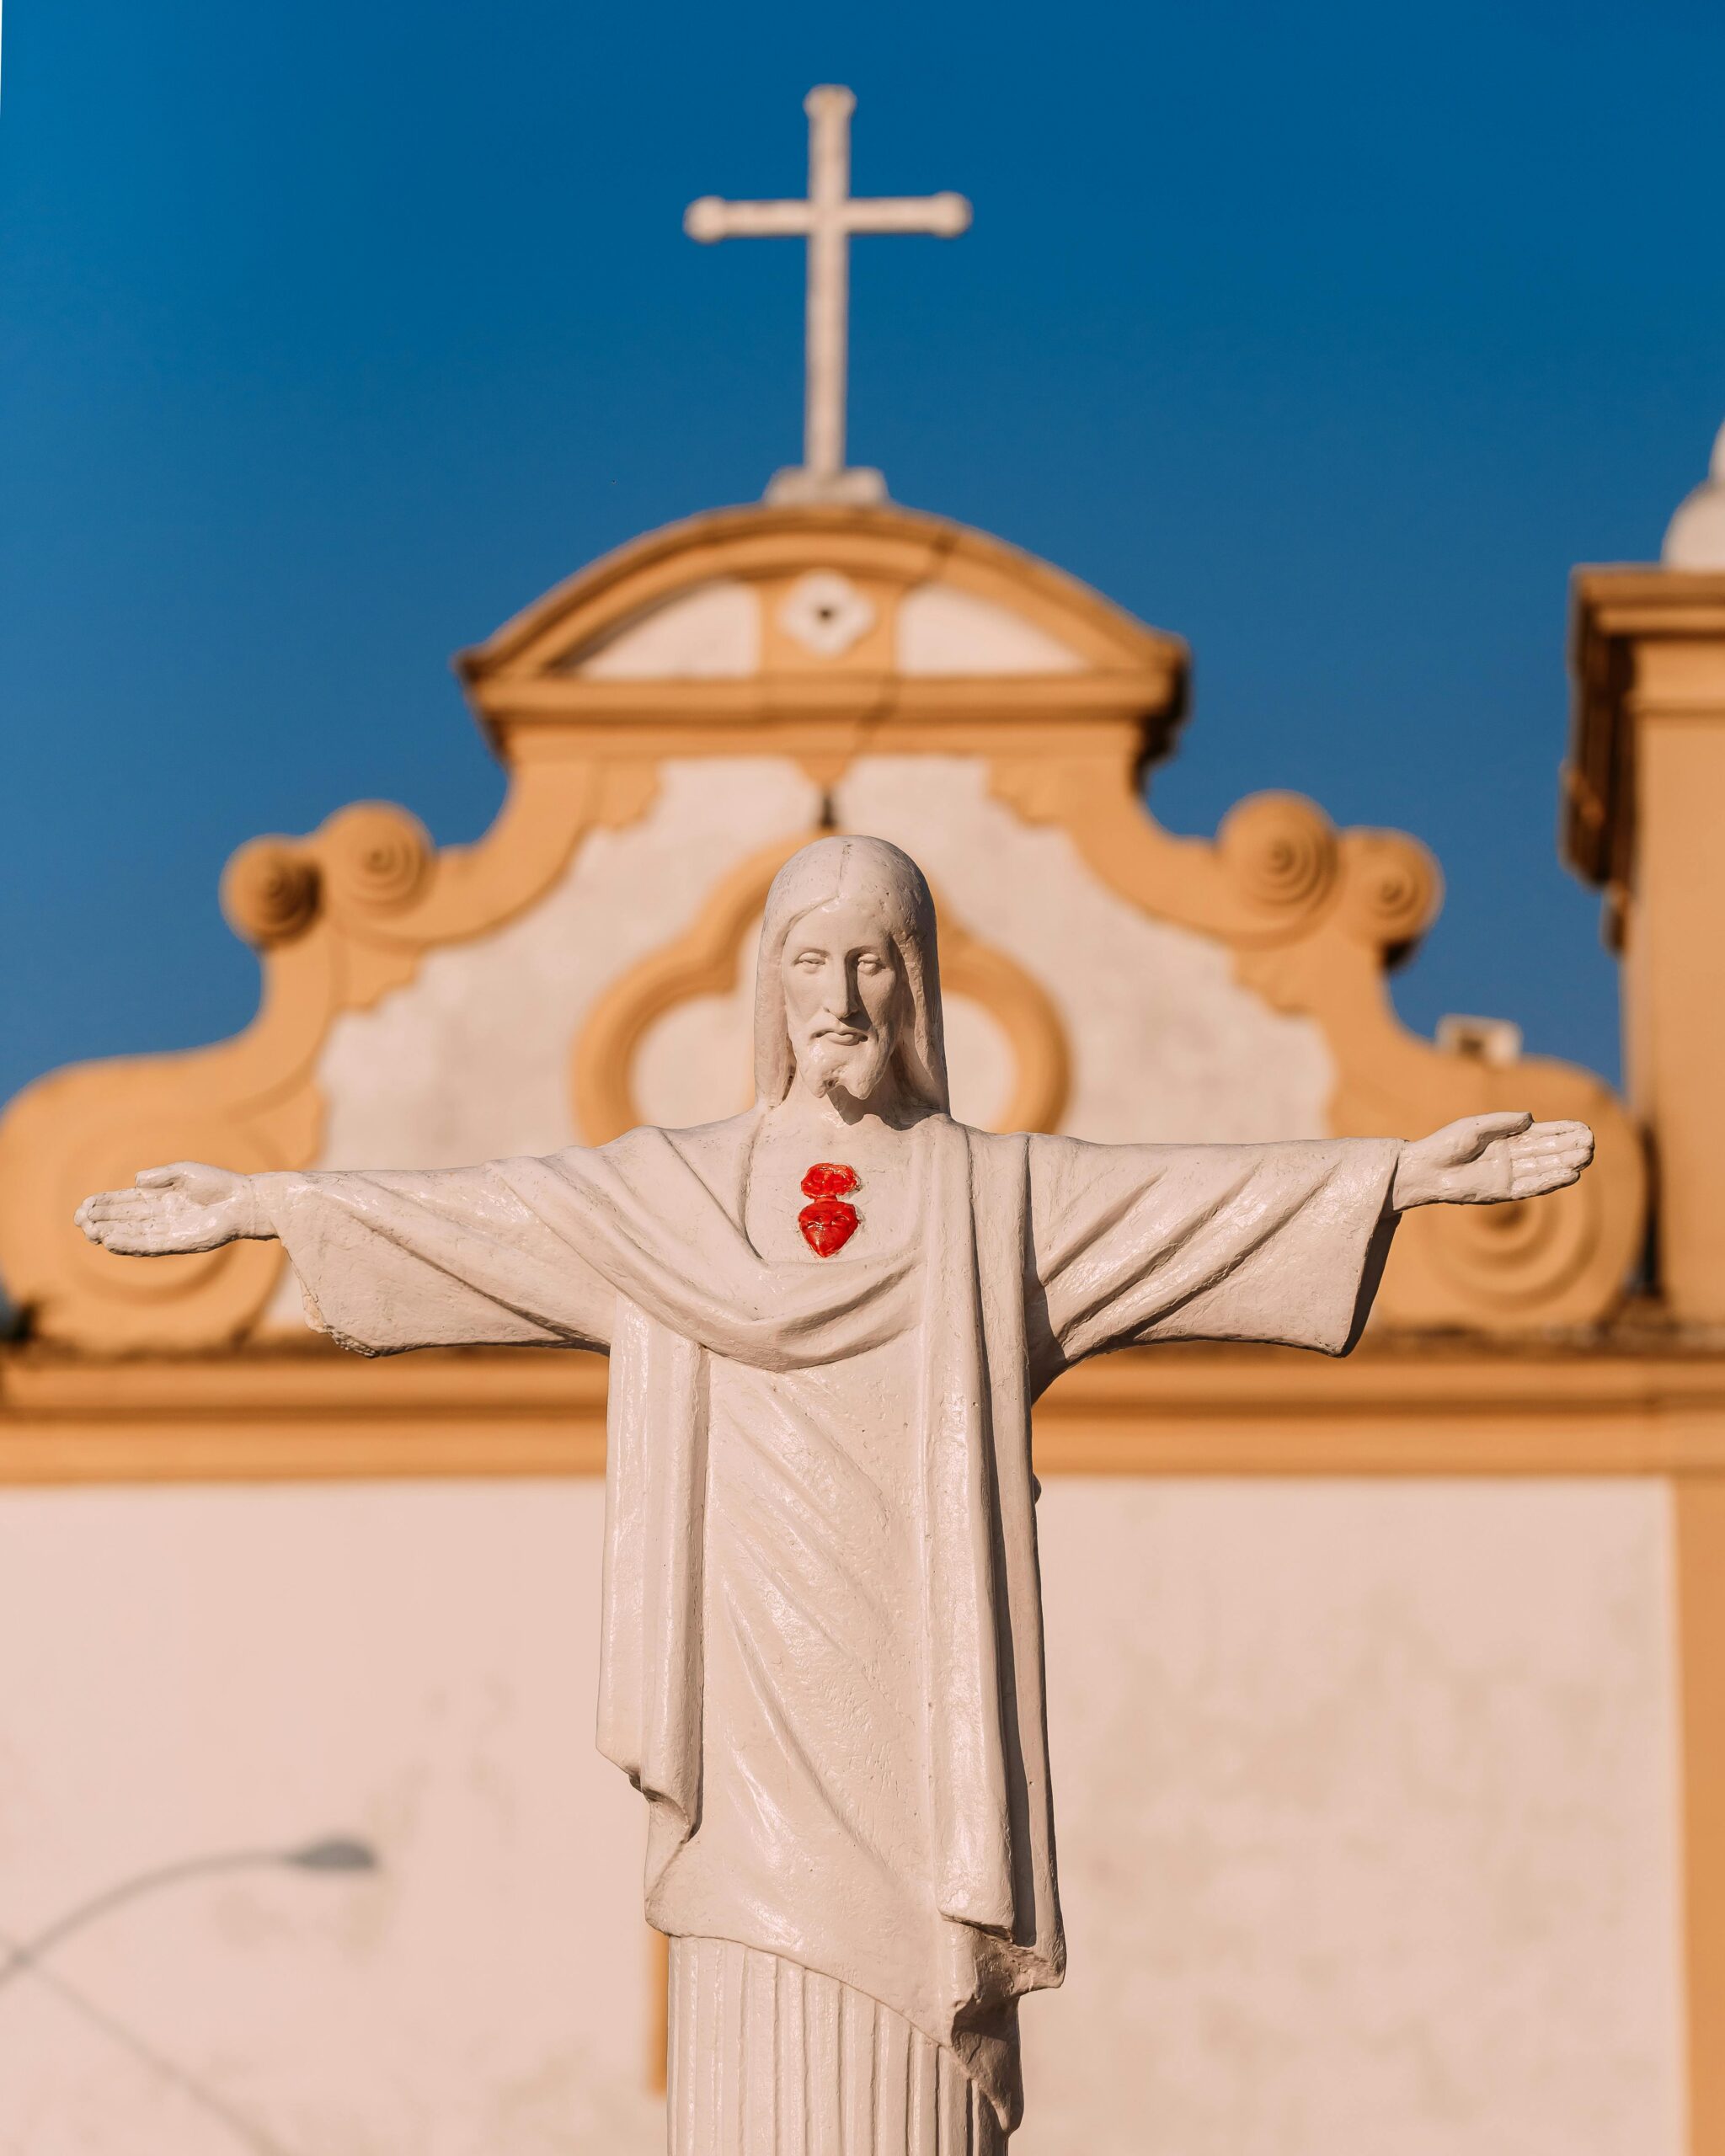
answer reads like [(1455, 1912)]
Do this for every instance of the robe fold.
[(1029, 1253)]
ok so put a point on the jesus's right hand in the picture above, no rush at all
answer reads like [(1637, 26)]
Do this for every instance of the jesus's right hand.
[(174, 1210)]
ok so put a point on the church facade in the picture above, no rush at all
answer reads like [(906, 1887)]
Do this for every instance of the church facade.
[(1386, 1734)]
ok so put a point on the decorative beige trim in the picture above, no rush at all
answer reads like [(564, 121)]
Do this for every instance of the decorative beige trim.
[(1315, 917), (339, 918), (1398, 1407), (899, 545), (824, 709), (708, 959), (1277, 872)]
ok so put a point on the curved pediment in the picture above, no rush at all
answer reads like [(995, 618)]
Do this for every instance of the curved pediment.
[(818, 623)]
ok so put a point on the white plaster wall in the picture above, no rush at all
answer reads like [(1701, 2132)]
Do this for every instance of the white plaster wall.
[(940, 630), (184, 1671), (1366, 1803), (1364, 1793), (711, 634)]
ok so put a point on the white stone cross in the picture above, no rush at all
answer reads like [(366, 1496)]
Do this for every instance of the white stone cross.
[(827, 219)]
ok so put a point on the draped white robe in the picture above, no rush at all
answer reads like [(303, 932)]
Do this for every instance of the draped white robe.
[(1030, 1253)]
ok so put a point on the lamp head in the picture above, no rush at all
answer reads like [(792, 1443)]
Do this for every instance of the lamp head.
[(334, 1853)]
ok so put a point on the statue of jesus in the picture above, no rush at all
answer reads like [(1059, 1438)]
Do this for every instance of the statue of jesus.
[(827, 1319)]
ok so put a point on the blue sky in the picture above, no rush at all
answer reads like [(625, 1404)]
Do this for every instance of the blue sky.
[(329, 335)]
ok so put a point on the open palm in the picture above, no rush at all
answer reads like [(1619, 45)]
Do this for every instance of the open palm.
[(1487, 1159), (171, 1211)]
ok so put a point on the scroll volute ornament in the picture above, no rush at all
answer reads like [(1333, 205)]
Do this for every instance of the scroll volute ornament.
[(375, 858), (366, 863), (1289, 868), (1280, 851), (1391, 890), (270, 892)]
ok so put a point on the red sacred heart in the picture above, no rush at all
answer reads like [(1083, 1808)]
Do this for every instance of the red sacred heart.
[(829, 1223)]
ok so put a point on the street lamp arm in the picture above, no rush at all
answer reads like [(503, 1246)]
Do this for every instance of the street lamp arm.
[(336, 1854)]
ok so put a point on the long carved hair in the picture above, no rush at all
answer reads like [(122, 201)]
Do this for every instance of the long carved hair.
[(880, 877)]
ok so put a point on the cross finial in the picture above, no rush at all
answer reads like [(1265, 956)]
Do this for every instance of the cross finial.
[(827, 219)]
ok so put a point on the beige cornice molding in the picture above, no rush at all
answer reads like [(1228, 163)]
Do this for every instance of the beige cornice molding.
[(1129, 680), (1399, 1407)]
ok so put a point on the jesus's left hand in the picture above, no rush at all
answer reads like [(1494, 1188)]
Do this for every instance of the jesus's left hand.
[(1486, 1160)]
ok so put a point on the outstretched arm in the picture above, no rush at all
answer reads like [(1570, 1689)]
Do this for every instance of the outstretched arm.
[(170, 1212), (1487, 1159), (387, 1261), (1283, 1242)]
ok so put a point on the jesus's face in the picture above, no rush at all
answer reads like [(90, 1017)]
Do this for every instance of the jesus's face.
[(843, 993)]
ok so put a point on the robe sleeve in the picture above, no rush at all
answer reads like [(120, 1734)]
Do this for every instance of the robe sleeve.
[(433, 1258), (1129, 1244)]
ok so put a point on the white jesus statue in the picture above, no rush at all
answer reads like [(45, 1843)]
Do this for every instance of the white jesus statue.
[(827, 1319)]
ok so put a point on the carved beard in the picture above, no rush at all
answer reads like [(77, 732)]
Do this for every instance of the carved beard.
[(857, 1068)]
